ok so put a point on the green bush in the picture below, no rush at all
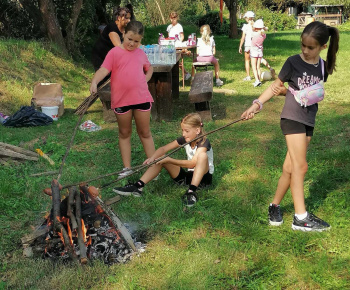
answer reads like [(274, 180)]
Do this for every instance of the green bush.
[(213, 20), (276, 20)]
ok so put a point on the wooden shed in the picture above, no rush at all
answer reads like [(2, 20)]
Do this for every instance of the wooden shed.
[(331, 15)]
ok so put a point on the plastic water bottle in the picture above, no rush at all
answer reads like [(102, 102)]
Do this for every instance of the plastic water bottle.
[(160, 38), (162, 54), (151, 54)]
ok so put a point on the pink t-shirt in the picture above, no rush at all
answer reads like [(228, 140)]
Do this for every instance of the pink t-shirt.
[(258, 39), (128, 79)]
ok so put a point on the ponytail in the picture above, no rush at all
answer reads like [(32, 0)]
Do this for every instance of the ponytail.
[(321, 32), (332, 49)]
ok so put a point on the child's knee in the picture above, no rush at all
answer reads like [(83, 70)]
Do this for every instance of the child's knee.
[(125, 132), (202, 157), (144, 133)]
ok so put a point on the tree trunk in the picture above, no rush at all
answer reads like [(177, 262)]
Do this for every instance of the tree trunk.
[(34, 12), (48, 13), (72, 24), (232, 7)]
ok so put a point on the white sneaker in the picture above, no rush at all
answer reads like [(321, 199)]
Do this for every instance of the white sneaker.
[(219, 82), (188, 76), (126, 171), (257, 83), (247, 78)]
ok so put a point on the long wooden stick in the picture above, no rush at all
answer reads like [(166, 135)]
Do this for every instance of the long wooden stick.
[(19, 149), (13, 154), (82, 247), (75, 130), (56, 210), (138, 168)]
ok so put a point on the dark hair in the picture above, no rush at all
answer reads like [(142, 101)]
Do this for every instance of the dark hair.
[(121, 11), (131, 9), (135, 27), (321, 32)]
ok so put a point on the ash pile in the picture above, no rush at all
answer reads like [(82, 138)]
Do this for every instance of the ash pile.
[(81, 228)]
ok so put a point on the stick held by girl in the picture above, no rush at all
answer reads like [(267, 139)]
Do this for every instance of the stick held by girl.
[(301, 71), (199, 163)]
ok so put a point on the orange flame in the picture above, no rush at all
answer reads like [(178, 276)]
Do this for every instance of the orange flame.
[(69, 233), (84, 230)]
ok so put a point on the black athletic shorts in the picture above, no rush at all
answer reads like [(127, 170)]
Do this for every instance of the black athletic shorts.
[(185, 177), (141, 107), (293, 127)]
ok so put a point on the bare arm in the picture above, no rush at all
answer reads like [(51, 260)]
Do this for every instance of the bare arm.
[(264, 97), (149, 73), (184, 163), (241, 42), (278, 89), (99, 76), (181, 36), (162, 151), (114, 37), (214, 50)]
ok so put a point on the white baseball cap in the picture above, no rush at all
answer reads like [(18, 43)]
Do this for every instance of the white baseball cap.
[(249, 14), (259, 24)]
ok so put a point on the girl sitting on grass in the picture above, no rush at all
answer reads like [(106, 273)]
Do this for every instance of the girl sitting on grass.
[(199, 162), (305, 74), (206, 51)]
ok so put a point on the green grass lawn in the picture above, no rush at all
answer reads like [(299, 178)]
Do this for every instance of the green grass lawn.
[(224, 242)]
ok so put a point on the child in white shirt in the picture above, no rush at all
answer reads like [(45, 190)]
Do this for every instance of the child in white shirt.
[(206, 51)]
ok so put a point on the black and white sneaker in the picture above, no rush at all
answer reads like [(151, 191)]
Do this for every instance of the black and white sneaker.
[(275, 215), (190, 198), (129, 189), (310, 224)]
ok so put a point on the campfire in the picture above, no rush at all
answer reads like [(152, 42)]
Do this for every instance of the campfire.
[(81, 228)]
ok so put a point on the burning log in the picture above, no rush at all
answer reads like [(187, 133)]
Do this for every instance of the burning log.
[(72, 196), (82, 247), (116, 222), (81, 227), (56, 209)]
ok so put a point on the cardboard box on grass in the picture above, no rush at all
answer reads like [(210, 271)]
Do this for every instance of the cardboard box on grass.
[(48, 95)]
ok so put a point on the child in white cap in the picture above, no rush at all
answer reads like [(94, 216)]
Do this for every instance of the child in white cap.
[(247, 30), (256, 49)]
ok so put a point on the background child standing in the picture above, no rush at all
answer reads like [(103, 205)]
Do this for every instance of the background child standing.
[(130, 97), (175, 29), (256, 49), (199, 162), (301, 71), (206, 51), (246, 38)]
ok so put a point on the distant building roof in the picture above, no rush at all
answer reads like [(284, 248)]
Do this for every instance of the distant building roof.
[(321, 5)]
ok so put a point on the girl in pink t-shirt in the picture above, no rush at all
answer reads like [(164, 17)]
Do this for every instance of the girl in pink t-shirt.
[(256, 49), (130, 97)]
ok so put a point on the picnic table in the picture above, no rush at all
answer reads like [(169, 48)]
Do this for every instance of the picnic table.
[(164, 87)]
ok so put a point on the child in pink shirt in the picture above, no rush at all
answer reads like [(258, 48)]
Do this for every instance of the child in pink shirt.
[(256, 49), (130, 97)]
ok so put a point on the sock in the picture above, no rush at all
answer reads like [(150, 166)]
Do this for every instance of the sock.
[(140, 184), (192, 188), (301, 216), (275, 205)]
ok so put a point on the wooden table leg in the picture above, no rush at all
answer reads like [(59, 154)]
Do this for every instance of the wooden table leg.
[(175, 80), (160, 87), (183, 73)]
